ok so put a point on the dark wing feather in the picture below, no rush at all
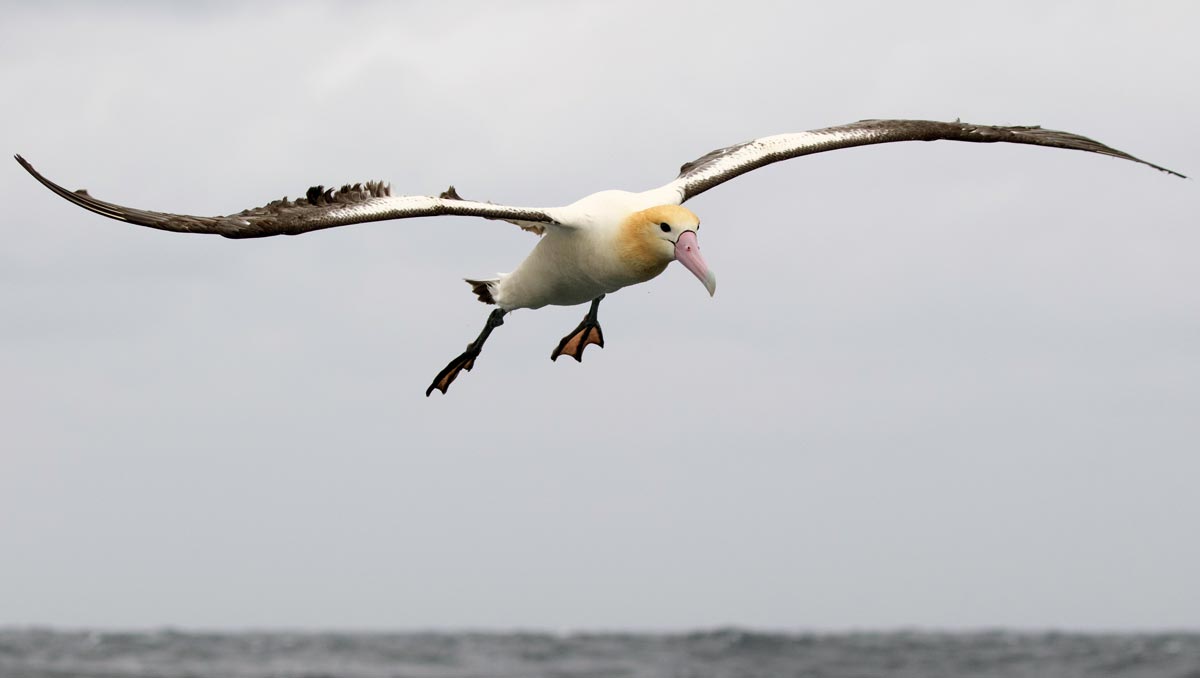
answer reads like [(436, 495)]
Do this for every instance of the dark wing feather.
[(724, 164), (320, 208)]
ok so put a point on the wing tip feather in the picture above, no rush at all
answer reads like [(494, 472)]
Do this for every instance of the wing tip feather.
[(319, 196)]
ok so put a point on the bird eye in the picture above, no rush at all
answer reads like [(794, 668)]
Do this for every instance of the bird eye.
[(666, 228)]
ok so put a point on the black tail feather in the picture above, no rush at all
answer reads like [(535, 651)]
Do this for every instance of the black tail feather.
[(484, 290)]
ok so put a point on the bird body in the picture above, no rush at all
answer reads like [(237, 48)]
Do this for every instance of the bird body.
[(598, 245), (592, 247)]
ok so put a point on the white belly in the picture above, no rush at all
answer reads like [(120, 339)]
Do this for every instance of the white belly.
[(567, 267)]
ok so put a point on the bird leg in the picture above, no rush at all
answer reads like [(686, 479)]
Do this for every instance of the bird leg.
[(467, 360), (588, 332)]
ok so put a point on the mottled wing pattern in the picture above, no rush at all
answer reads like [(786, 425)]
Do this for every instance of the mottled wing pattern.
[(535, 227), (724, 164), (320, 208)]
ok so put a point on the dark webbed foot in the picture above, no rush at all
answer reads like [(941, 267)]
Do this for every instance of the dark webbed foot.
[(446, 377), (574, 343), (466, 360), (588, 332)]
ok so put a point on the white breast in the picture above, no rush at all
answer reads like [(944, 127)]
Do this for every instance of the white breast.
[(568, 267), (576, 262)]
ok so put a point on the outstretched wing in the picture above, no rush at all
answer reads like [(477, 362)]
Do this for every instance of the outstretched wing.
[(320, 208), (723, 164)]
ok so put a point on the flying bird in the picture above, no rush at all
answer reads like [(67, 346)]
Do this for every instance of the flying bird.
[(590, 248)]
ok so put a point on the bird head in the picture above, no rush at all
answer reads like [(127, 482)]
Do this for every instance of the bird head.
[(657, 236)]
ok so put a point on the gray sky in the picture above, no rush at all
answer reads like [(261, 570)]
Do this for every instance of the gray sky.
[(943, 385)]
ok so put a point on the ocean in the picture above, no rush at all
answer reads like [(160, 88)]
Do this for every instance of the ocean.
[(728, 653)]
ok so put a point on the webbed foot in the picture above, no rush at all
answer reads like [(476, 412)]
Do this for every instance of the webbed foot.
[(588, 332), (446, 377), (466, 360)]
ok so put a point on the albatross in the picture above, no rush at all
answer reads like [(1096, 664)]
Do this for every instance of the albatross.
[(588, 249)]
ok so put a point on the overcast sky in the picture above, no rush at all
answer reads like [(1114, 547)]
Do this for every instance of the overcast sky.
[(941, 385)]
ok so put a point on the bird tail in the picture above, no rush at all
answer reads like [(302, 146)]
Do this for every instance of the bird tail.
[(485, 289)]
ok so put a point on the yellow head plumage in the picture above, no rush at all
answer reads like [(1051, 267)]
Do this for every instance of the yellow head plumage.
[(647, 239)]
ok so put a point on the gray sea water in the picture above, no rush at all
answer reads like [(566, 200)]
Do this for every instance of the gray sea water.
[(34, 653)]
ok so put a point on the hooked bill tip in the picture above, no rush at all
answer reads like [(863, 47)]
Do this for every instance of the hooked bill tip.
[(687, 252)]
